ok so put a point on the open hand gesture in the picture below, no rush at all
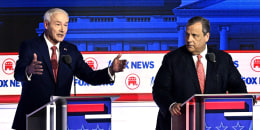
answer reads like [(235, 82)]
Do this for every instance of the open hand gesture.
[(117, 65), (35, 67)]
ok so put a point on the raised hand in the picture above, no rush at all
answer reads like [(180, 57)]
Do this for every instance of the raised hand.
[(35, 67), (117, 65)]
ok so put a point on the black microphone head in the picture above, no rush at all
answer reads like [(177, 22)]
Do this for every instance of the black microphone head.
[(211, 57), (67, 59)]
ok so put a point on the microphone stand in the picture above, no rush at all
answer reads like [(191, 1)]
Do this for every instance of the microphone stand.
[(74, 83), (67, 60)]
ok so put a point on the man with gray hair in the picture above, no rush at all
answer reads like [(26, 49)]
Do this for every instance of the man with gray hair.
[(43, 71)]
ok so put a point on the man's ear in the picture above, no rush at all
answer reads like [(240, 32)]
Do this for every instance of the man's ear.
[(46, 23), (207, 37)]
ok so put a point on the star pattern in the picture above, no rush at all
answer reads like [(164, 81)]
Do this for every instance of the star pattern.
[(207, 127), (82, 128), (98, 128), (222, 127), (238, 127)]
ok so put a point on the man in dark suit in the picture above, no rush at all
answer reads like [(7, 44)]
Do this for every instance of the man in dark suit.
[(44, 72), (178, 78)]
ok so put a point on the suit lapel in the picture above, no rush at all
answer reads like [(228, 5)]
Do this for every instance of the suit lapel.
[(44, 51), (63, 51)]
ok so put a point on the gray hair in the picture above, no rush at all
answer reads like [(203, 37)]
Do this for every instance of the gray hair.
[(50, 12)]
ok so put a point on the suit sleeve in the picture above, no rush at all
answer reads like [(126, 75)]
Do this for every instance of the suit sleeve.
[(87, 74), (235, 83), (162, 86), (24, 59)]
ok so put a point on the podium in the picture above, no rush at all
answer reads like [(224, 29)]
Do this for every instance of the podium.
[(215, 111), (72, 113)]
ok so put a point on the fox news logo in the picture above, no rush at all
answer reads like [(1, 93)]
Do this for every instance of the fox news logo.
[(8, 66), (255, 64)]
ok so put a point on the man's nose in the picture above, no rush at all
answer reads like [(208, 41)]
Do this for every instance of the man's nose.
[(189, 38), (61, 28)]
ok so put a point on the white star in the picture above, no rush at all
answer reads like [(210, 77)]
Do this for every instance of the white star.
[(207, 127), (221, 127), (98, 128), (238, 126), (82, 128)]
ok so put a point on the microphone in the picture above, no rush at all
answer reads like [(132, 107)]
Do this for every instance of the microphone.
[(211, 57), (68, 60)]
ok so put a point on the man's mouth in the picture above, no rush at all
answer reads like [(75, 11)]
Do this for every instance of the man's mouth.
[(60, 35)]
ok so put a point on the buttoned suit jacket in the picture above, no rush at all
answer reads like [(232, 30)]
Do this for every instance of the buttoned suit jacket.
[(177, 80), (37, 92)]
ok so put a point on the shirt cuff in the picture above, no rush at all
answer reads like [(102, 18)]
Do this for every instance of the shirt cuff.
[(171, 105), (112, 77), (29, 77)]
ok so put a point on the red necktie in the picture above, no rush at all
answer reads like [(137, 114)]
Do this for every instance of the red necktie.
[(201, 74), (54, 62)]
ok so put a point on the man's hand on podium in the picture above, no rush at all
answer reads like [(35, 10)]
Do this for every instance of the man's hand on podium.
[(176, 109)]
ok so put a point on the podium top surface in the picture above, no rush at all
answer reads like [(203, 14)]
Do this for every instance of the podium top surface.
[(112, 98), (233, 95), (225, 95), (63, 99)]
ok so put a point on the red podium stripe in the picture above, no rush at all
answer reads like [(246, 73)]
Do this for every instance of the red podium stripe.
[(225, 105), (86, 107)]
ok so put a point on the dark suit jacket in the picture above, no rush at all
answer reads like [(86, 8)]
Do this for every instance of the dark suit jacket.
[(38, 91), (177, 80)]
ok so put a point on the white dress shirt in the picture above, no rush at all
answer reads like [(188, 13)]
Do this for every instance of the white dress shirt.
[(203, 59), (49, 44)]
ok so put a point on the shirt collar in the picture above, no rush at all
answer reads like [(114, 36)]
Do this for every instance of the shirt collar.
[(204, 52), (49, 44)]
